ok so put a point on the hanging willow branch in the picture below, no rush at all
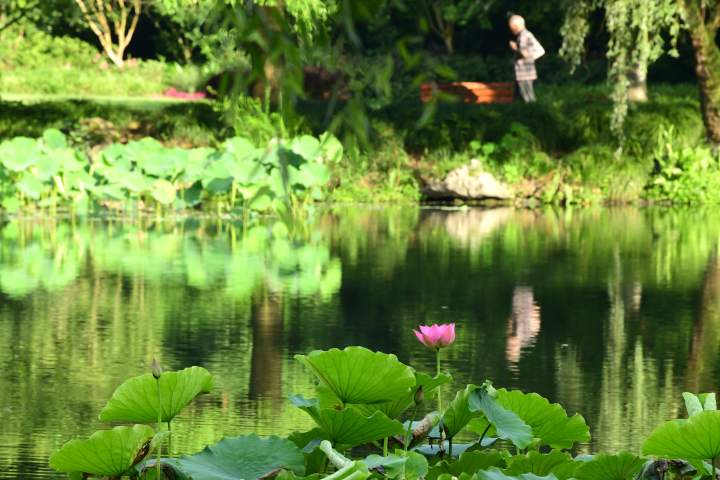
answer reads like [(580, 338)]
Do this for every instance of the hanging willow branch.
[(113, 22), (636, 40)]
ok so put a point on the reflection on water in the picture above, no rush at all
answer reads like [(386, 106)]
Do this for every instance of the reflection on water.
[(629, 301), (524, 323)]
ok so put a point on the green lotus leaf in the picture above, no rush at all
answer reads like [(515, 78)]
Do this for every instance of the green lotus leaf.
[(623, 466), (507, 424), (332, 149), (248, 172), (496, 474), (248, 457), (217, 176), (19, 154), (549, 421), (407, 466), (308, 147), (458, 412), (47, 166), (397, 407), (349, 426), (241, 148), (11, 205), (358, 375), (136, 400), (195, 165), (54, 139), (31, 186), (468, 462), (558, 463), (135, 182), (163, 192), (697, 438), (700, 402), (108, 453), (313, 175)]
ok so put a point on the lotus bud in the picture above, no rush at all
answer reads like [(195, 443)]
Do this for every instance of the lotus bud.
[(156, 369), (419, 395)]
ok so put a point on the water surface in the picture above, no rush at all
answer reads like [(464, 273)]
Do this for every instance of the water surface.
[(612, 312)]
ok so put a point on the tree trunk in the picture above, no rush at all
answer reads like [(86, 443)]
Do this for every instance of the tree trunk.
[(706, 334), (448, 34), (637, 92), (707, 64)]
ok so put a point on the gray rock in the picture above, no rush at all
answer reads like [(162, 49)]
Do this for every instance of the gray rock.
[(468, 182)]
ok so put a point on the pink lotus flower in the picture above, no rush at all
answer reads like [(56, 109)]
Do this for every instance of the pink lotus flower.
[(436, 336)]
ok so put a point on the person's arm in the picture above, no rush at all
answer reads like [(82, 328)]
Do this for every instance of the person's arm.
[(526, 45)]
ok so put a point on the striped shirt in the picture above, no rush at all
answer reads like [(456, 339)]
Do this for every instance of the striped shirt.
[(528, 48)]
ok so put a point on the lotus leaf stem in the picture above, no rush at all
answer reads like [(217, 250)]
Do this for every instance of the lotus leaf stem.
[(159, 422)]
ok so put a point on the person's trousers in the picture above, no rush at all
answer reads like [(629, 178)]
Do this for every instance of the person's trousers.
[(526, 90)]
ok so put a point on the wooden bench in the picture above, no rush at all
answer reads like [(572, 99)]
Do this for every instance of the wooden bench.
[(471, 92)]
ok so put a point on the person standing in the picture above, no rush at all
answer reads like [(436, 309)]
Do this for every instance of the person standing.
[(527, 49)]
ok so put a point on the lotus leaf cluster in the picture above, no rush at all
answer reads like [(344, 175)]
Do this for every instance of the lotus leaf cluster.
[(372, 423), (237, 176)]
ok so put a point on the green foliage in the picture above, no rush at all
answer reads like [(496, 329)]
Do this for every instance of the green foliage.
[(239, 175), (110, 453), (248, 457), (697, 438), (469, 461), (549, 422), (120, 451), (35, 62), (136, 400), (684, 174), (559, 463), (348, 426), (496, 474), (358, 375), (623, 466), (458, 413), (506, 423)]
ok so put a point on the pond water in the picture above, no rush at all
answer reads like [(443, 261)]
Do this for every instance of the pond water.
[(612, 312)]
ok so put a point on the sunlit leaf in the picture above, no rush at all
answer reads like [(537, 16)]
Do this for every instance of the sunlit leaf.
[(558, 463), (136, 400), (108, 453), (458, 413), (407, 466), (247, 457), (697, 438), (395, 408), (508, 425), (349, 426), (54, 139), (550, 422), (468, 462), (496, 474), (358, 375), (163, 192), (623, 466)]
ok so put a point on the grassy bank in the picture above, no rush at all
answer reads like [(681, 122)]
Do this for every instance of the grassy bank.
[(559, 150)]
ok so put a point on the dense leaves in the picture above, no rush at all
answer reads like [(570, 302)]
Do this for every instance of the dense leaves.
[(529, 421), (349, 426), (238, 176)]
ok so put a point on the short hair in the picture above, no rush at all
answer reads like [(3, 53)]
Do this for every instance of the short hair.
[(517, 19)]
